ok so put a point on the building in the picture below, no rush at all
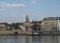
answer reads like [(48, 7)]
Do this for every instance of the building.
[(49, 24), (28, 24), (3, 26), (36, 25)]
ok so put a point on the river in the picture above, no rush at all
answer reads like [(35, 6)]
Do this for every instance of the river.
[(29, 39)]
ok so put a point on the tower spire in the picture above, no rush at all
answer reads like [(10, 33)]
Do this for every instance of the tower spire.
[(27, 19)]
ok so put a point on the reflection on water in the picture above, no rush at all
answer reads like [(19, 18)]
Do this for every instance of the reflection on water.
[(29, 39)]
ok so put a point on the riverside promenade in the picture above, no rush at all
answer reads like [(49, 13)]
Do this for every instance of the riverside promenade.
[(18, 32)]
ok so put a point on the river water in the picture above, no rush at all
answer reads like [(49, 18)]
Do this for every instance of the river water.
[(29, 39)]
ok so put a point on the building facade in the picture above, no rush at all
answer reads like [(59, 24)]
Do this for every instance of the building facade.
[(49, 24)]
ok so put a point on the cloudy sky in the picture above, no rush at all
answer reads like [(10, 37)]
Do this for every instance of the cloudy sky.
[(16, 10)]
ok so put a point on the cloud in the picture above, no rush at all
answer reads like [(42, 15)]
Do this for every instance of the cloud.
[(34, 1), (4, 6), (12, 5)]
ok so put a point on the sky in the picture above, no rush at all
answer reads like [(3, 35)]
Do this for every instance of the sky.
[(16, 10)]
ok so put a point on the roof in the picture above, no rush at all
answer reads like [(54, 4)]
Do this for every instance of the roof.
[(51, 18), (36, 21)]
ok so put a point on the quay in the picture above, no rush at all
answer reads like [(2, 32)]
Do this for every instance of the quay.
[(45, 33)]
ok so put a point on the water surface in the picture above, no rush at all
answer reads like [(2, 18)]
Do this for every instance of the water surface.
[(29, 39)]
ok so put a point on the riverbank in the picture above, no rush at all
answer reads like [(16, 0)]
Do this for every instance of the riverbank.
[(29, 33)]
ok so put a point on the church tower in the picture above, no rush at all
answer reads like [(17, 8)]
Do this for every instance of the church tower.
[(27, 24), (27, 19)]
